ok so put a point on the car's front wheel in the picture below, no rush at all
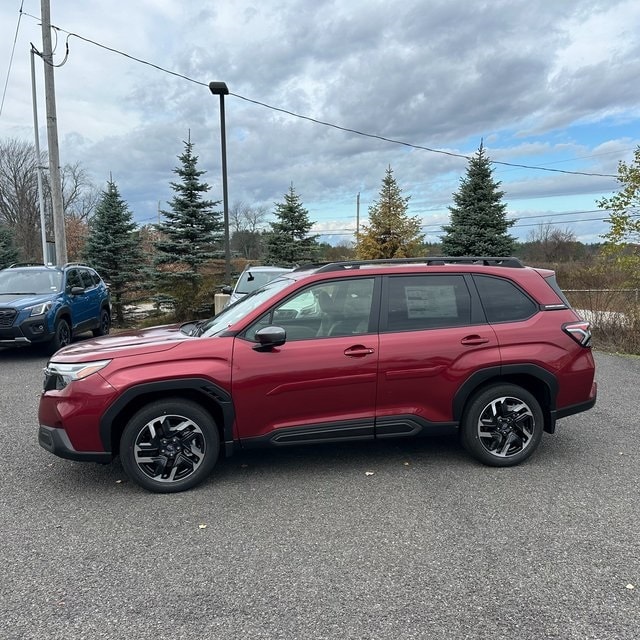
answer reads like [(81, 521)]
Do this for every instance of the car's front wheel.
[(61, 336), (502, 425), (105, 324), (170, 445)]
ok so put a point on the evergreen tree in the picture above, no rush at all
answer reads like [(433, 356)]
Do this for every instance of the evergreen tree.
[(391, 233), (8, 252), (289, 242), (479, 222), (190, 237), (113, 248)]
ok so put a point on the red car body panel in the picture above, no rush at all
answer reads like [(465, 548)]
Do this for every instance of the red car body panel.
[(333, 382), (420, 371), (286, 388)]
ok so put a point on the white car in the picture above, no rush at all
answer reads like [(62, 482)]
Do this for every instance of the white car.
[(252, 278)]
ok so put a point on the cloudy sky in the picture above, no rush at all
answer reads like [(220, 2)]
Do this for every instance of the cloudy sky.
[(544, 83)]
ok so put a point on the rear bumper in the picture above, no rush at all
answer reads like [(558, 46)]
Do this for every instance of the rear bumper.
[(575, 408), (57, 441)]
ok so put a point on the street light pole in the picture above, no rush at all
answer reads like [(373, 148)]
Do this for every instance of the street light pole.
[(220, 89)]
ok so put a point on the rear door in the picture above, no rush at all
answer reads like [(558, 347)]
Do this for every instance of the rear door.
[(433, 336), (321, 384), (93, 297)]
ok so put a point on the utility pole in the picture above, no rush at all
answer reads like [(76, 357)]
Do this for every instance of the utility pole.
[(52, 137)]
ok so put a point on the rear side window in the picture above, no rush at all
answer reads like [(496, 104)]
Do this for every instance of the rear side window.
[(427, 302), (503, 301)]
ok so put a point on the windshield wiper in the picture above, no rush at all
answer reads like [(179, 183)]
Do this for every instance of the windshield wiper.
[(193, 328), (197, 329)]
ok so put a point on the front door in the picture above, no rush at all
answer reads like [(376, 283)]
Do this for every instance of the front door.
[(321, 384)]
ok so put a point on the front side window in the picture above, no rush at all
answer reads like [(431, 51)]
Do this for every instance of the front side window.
[(74, 280), (327, 309), (427, 302)]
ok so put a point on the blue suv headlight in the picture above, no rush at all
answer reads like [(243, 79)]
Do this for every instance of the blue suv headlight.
[(39, 309)]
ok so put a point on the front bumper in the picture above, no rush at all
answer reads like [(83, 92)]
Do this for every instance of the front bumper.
[(57, 441), (27, 332)]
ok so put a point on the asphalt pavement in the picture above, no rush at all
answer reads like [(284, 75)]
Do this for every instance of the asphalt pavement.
[(397, 539)]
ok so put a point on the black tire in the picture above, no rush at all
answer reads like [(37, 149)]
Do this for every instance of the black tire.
[(61, 336), (502, 425), (105, 324), (170, 445)]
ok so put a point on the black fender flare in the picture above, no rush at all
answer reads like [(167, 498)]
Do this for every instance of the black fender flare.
[(207, 389), (63, 311), (504, 373)]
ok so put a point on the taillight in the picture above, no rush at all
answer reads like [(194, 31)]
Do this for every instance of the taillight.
[(579, 331)]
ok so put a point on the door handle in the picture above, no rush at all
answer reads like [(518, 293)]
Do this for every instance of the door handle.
[(472, 340), (358, 351)]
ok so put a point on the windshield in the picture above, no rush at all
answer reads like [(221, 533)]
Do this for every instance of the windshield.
[(240, 309), (251, 280), (31, 282)]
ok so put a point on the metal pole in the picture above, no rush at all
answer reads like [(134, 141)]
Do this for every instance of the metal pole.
[(52, 137), (225, 195), (43, 225), (358, 222)]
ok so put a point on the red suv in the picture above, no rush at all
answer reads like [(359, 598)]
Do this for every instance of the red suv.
[(338, 352)]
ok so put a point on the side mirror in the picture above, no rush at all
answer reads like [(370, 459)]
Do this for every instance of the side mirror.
[(77, 291), (227, 290), (270, 337)]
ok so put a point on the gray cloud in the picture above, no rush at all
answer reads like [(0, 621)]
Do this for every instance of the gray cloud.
[(439, 74)]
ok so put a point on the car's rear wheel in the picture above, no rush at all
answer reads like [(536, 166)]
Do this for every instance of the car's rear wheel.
[(105, 324), (61, 336), (502, 425), (170, 445)]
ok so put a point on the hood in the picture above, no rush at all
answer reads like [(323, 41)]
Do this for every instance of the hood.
[(141, 341), (22, 300)]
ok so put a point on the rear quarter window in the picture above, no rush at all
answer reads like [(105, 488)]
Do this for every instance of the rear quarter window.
[(503, 301)]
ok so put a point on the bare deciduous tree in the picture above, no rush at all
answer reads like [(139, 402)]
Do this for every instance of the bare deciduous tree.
[(247, 225), (19, 209), (552, 244), (19, 202)]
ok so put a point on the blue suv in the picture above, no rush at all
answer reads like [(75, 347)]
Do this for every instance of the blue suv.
[(50, 305)]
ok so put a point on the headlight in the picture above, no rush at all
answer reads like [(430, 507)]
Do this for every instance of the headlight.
[(58, 375), (40, 309)]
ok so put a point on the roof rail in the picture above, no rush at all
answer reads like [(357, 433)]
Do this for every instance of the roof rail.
[(74, 264), (430, 260), (25, 264)]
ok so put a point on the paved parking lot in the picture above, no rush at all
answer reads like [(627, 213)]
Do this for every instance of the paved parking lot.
[(404, 539)]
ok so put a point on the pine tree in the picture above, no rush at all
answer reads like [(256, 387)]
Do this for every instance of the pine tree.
[(113, 249), (289, 242), (391, 233), (8, 252), (479, 225), (188, 239)]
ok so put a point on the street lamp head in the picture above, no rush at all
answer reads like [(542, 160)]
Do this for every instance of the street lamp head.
[(218, 88)]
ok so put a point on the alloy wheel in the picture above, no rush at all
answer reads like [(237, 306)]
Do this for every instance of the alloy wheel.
[(506, 426), (169, 448)]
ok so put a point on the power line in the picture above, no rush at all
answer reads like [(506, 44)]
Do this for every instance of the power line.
[(322, 122), (13, 49)]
